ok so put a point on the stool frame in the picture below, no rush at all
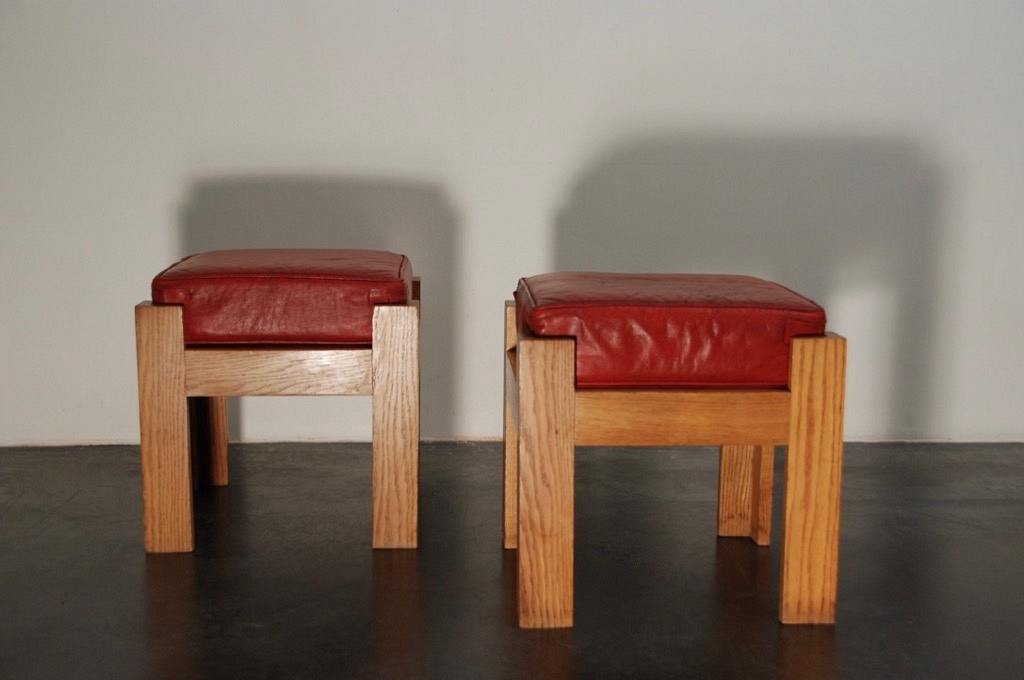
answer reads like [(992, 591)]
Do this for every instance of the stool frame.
[(182, 388), (546, 417)]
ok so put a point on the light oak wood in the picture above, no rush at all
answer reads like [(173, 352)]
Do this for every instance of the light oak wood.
[(278, 372), (396, 425), (510, 490), (810, 539), (511, 382), (546, 482), (218, 437), (745, 475), (639, 417), (164, 430)]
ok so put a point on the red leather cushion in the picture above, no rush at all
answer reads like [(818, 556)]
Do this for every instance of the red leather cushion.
[(670, 330), (283, 296)]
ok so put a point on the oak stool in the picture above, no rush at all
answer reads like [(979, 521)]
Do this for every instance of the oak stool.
[(673, 360), (276, 322)]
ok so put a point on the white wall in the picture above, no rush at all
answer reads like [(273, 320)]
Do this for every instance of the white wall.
[(870, 152)]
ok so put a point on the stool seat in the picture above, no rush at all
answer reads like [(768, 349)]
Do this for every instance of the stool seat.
[(670, 330), (283, 296)]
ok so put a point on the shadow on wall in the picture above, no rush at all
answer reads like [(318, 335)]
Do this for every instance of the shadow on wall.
[(850, 222), (326, 212)]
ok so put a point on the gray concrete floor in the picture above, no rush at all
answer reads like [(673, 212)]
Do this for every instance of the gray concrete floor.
[(284, 584)]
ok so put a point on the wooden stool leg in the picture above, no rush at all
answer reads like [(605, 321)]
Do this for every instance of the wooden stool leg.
[(396, 425), (510, 514), (164, 429), (810, 541), (218, 438), (745, 492), (546, 478), (209, 433)]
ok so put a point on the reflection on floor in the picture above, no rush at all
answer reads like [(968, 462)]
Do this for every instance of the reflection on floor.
[(284, 584)]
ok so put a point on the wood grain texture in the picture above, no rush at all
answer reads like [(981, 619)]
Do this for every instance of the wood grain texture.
[(810, 541), (218, 438), (761, 502), (681, 417), (512, 383), (277, 372), (745, 475), (510, 435), (164, 429), (546, 479), (396, 425)]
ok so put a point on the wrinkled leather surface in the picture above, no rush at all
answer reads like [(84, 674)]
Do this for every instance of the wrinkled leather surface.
[(670, 330), (283, 296)]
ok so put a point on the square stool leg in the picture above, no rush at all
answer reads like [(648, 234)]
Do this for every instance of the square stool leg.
[(164, 429), (396, 425), (208, 420), (810, 541), (510, 439), (745, 476), (546, 479), (218, 440), (510, 512)]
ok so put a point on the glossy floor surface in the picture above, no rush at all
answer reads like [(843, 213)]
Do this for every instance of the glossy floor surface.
[(284, 584)]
